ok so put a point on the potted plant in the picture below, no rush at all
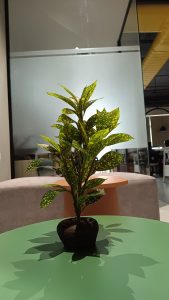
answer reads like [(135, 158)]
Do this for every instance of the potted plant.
[(75, 152)]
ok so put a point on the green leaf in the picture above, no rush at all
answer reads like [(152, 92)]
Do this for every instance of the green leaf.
[(107, 119), (51, 141), (98, 136), (91, 197), (68, 111), (83, 132), (71, 133), (117, 138), (58, 126), (49, 197), (92, 183), (68, 132), (91, 122), (77, 146), (69, 92), (65, 119), (95, 145), (65, 145), (58, 171), (44, 147), (63, 98), (68, 170), (89, 103), (34, 164), (58, 186), (109, 161), (87, 92), (48, 148)]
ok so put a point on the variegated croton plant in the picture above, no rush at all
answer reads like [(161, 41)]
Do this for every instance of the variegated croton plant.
[(76, 148)]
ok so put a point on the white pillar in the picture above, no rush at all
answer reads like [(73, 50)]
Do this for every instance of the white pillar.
[(5, 170)]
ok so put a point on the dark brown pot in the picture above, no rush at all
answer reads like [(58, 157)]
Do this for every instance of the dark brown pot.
[(78, 237)]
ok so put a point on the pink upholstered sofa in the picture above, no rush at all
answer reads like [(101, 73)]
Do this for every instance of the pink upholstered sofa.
[(20, 198)]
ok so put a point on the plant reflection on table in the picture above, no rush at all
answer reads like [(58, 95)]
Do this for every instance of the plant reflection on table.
[(39, 279)]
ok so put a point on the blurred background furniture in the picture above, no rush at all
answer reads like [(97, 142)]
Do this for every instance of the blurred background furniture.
[(46, 168), (166, 159), (139, 197), (24, 158), (20, 199), (155, 160), (107, 205), (134, 160)]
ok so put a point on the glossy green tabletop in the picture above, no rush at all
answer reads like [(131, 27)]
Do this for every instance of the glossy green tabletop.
[(131, 262)]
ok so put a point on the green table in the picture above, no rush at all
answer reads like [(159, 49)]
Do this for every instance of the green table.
[(131, 262)]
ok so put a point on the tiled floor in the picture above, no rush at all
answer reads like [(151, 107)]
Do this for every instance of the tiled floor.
[(163, 194)]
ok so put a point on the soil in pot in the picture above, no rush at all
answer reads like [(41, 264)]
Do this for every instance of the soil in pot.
[(78, 237)]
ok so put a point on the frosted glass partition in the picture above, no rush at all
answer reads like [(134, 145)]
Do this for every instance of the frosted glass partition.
[(118, 71)]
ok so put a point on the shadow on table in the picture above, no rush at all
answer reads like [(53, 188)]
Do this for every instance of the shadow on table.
[(71, 277), (49, 245)]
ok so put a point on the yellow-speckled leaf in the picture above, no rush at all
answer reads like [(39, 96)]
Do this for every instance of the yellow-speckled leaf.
[(107, 119), (83, 132), (98, 136), (51, 141), (89, 103), (64, 118), (68, 171), (109, 161), (91, 197), (92, 183), (48, 148), (117, 138), (34, 164), (87, 92), (68, 111), (63, 98), (58, 126), (77, 146), (91, 122), (69, 92), (49, 197)]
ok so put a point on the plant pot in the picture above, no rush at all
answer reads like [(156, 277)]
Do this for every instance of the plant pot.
[(77, 237)]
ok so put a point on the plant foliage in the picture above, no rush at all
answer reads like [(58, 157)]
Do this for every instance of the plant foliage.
[(78, 145)]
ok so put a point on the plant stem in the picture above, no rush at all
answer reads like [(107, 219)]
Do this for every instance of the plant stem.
[(88, 175), (75, 204)]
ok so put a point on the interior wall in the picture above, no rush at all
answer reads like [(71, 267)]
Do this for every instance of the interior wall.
[(5, 172)]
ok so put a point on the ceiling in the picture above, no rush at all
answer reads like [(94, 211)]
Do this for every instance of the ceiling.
[(57, 24), (153, 17), (157, 92)]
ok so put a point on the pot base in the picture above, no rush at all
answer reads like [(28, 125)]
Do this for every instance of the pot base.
[(79, 237)]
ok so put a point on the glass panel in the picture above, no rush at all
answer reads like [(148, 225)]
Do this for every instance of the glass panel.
[(71, 43)]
